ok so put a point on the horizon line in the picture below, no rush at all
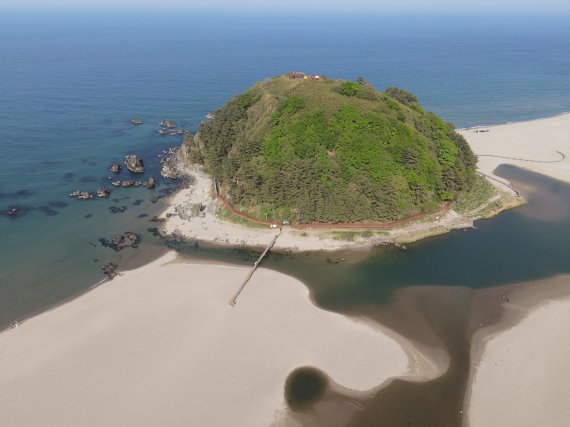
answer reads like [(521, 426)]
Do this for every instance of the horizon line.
[(289, 10)]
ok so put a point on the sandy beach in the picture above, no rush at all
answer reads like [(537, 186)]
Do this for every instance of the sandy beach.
[(161, 345), (534, 145), (519, 375)]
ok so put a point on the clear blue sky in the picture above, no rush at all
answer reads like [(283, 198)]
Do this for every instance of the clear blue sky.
[(450, 6)]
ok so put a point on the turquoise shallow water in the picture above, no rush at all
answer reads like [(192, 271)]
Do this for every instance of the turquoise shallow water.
[(70, 84)]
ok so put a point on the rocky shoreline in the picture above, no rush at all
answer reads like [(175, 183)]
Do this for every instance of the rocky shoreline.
[(195, 216)]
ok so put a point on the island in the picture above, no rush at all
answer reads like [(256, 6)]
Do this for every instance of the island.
[(179, 313), (332, 164)]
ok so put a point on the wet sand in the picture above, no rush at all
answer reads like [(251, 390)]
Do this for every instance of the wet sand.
[(445, 318), (519, 373), (467, 334)]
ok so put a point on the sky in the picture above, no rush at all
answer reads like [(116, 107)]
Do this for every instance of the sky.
[(448, 6)]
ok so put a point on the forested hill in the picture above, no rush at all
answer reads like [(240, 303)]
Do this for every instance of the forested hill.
[(332, 151)]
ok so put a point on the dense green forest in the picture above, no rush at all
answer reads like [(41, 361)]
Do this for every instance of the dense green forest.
[(334, 151)]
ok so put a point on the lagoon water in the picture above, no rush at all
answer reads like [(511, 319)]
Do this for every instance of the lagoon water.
[(439, 291), (70, 84)]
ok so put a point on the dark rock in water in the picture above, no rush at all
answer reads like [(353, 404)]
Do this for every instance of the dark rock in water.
[(92, 163), (12, 212), (59, 204), (117, 240), (88, 216), (138, 202), (134, 164), (81, 195), (16, 323), (155, 218), (168, 123), (116, 168), (87, 179), (121, 241), (103, 192), (151, 183), (117, 209), (132, 238), (68, 176), (47, 210), (143, 215), (127, 183), (84, 160), (110, 270)]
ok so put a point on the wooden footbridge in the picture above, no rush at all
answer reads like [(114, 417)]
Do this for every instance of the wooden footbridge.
[(233, 301)]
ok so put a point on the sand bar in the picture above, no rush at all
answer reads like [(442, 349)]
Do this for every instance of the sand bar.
[(160, 345), (538, 142), (520, 376)]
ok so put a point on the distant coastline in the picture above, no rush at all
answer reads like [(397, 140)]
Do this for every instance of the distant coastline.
[(541, 141)]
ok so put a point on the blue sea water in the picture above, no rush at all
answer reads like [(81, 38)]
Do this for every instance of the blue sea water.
[(70, 83)]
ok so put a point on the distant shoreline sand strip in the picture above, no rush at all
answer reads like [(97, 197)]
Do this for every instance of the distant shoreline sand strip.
[(535, 145)]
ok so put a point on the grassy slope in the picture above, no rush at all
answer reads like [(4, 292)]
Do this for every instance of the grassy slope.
[(267, 165)]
